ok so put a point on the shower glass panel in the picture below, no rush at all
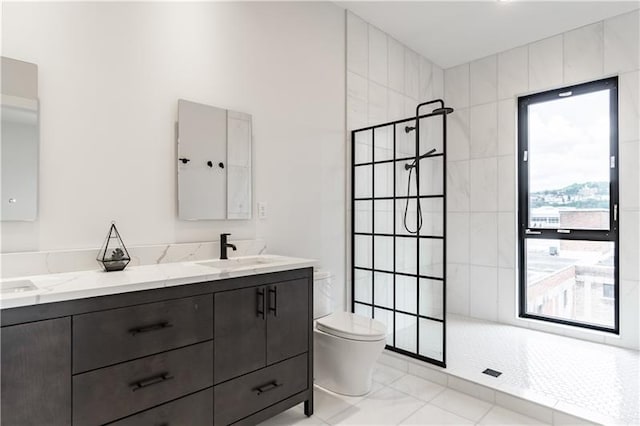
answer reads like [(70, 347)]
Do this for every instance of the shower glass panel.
[(398, 231)]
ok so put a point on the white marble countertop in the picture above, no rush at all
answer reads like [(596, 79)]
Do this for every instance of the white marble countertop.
[(82, 284)]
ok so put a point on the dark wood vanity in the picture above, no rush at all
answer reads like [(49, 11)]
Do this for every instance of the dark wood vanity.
[(232, 351)]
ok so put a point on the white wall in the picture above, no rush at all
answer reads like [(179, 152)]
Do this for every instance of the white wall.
[(481, 169), (110, 75)]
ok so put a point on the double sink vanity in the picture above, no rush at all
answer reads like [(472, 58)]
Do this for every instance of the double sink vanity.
[(200, 343)]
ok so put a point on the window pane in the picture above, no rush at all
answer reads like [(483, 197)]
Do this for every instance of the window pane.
[(571, 280), (569, 162)]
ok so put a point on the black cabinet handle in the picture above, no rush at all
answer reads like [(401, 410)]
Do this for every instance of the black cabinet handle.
[(154, 380), (184, 160), (273, 307), (268, 387), (260, 307), (152, 327)]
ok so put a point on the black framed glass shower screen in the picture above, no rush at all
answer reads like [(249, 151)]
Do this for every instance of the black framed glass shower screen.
[(398, 276), (568, 205)]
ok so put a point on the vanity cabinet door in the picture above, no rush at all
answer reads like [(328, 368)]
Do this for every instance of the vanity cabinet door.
[(239, 332), (36, 373), (287, 319)]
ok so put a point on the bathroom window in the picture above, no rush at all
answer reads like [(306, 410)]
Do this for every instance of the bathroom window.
[(568, 205)]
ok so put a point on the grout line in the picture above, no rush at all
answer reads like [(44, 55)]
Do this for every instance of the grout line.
[(413, 412), (485, 414)]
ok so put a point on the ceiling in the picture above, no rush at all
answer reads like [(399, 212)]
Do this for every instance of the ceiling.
[(450, 33)]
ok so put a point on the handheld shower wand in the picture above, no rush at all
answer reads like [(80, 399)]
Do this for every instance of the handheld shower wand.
[(442, 110)]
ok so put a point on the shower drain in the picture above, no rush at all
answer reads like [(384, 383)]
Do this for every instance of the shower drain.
[(492, 373)]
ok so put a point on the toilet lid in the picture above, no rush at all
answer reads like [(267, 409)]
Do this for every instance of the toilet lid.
[(352, 326)]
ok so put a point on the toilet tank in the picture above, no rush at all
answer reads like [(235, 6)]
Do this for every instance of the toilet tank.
[(322, 293)]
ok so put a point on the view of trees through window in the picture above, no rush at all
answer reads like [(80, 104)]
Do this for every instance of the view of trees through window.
[(568, 171)]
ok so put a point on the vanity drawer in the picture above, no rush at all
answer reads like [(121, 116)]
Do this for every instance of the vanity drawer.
[(111, 393), (194, 410), (117, 335), (241, 397)]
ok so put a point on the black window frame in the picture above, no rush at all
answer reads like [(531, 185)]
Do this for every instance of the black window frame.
[(610, 235)]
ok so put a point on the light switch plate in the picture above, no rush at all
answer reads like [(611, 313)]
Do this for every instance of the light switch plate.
[(262, 210)]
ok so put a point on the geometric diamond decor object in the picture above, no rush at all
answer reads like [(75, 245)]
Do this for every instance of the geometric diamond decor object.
[(113, 255)]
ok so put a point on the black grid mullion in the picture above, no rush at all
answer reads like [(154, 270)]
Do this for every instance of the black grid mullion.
[(373, 222), (394, 232)]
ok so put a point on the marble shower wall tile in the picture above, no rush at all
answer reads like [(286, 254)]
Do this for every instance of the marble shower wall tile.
[(458, 288), (483, 179), (357, 101), (458, 135), (507, 127), (378, 64), (396, 65), (458, 186), (622, 43), (425, 80), (484, 130), (629, 106), (545, 64), (456, 86), (483, 292), (483, 241), (411, 74), (483, 82), (357, 45), (513, 72), (583, 53), (629, 174)]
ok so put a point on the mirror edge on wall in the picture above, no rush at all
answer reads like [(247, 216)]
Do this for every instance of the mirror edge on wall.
[(20, 100)]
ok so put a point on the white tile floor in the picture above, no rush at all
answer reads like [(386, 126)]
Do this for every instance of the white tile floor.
[(399, 398), (548, 377)]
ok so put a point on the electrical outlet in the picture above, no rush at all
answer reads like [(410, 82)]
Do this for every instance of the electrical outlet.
[(262, 210)]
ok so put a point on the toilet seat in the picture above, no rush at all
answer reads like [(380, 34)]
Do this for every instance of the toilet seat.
[(352, 326)]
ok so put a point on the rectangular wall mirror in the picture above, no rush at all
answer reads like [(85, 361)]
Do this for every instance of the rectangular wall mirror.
[(20, 140), (214, 163)]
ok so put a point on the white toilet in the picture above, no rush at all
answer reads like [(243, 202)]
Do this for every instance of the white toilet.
[(346, 345)]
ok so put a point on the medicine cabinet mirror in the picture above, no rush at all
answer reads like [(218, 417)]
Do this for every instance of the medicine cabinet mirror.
[(214, 162), (20, 140)]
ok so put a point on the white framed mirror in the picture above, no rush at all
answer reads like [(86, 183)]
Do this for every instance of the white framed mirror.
[(214, 163)]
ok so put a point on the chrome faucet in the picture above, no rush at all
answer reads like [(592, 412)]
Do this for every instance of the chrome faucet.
[(224, 245)]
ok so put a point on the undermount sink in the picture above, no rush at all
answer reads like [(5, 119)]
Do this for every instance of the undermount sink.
[(239, 262), (17, 286)]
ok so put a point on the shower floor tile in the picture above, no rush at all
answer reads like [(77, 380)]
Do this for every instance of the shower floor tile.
[(587, 378)]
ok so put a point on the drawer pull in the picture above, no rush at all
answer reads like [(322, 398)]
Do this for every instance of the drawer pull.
[(266, 388), (152, 327), (150, 381)]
